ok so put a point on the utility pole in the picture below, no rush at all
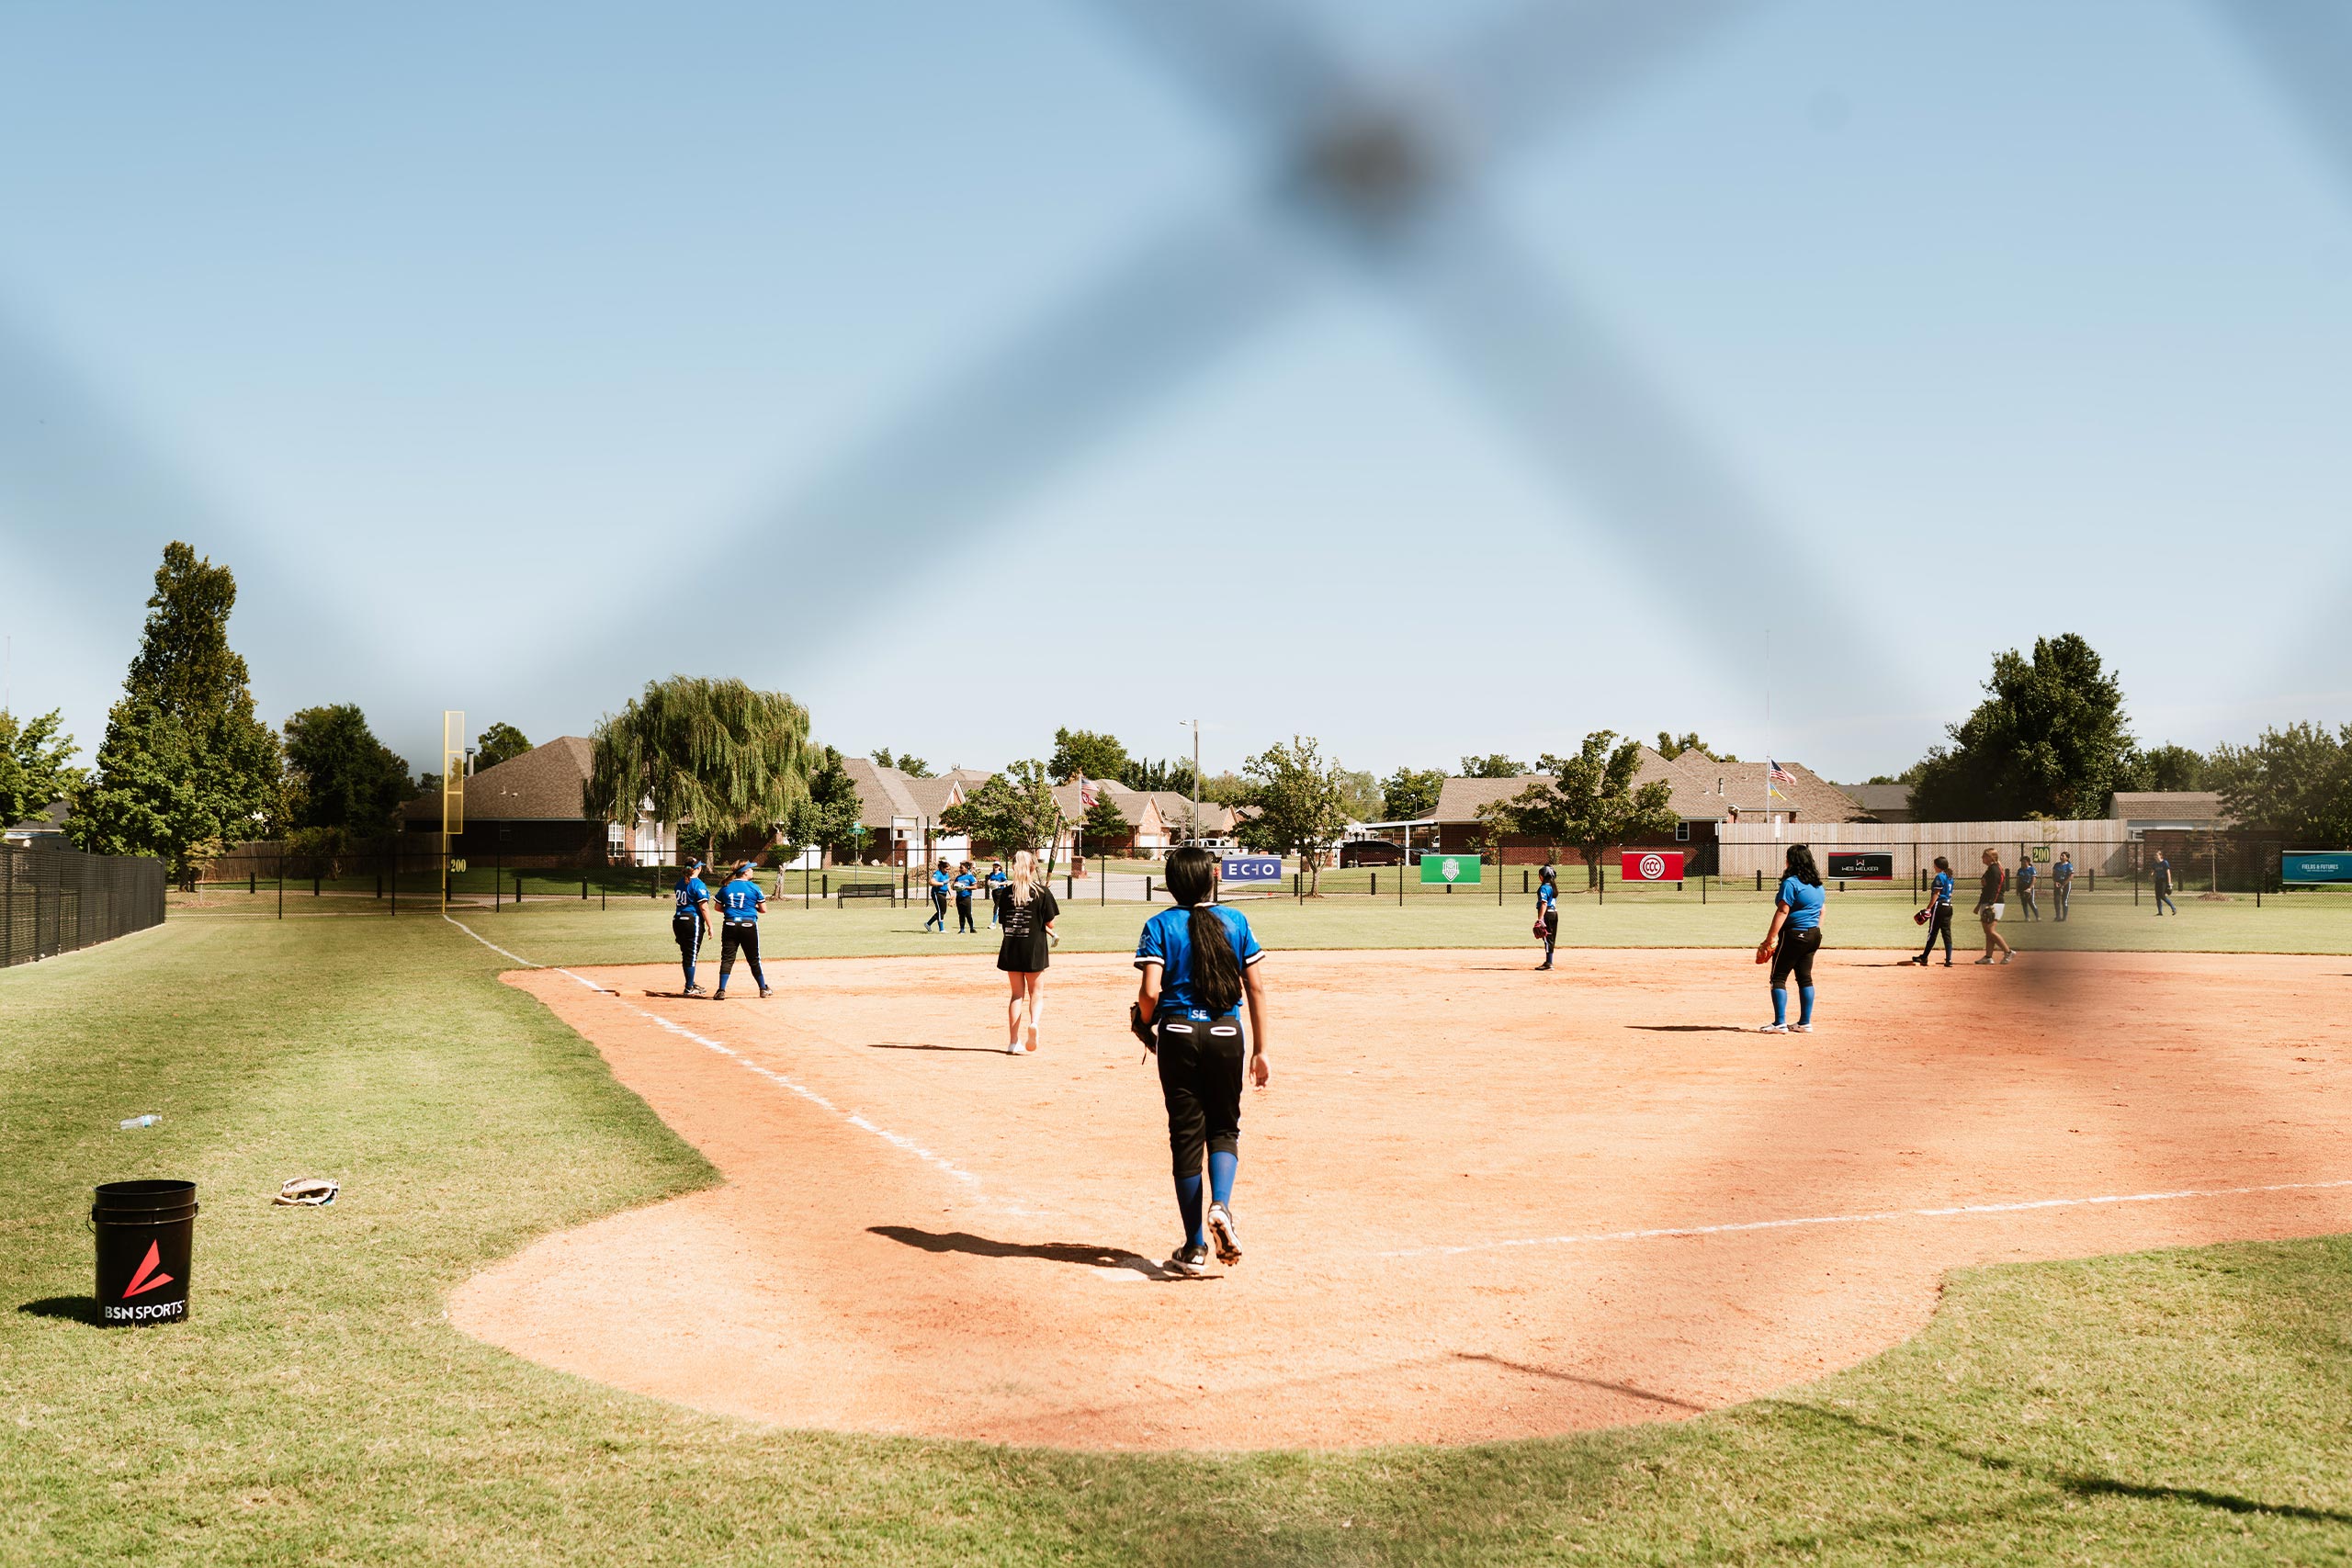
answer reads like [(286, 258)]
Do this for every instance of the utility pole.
[(1194, 824)]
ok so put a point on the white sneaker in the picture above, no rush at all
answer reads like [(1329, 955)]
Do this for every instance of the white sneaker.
[(1799, 1029), (1013, 1048), (1773, 1029)]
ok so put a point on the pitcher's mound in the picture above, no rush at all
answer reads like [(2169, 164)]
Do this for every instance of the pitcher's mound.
[(1476, 1202)]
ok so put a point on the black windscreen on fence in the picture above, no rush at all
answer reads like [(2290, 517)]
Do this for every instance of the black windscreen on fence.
[(54, 900)]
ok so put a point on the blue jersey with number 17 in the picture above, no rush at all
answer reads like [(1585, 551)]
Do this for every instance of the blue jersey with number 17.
[(740, 901)]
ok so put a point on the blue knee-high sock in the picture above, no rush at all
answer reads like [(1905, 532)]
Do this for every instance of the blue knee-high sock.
[(1221, 1166), (1805, 997), (1188, 1200), (1779, 1004)]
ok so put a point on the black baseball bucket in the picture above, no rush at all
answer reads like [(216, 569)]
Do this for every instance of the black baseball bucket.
[(146, 1232)]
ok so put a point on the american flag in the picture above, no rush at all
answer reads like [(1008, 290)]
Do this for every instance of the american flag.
[(1776, 774), (1086, 795)]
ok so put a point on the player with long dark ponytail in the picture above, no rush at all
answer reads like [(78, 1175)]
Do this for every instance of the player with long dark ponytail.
[(1199, 962)]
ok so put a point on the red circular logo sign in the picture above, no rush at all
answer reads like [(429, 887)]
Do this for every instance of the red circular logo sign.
[(1653, 867)]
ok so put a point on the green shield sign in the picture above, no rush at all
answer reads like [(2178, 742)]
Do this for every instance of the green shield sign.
[(1449, 870)]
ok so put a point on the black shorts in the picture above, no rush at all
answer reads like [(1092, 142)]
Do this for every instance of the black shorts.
[(1794, 954), (1200, 1080), (686, 931)]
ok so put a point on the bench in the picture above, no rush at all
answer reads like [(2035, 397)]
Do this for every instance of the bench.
[(849, 890)]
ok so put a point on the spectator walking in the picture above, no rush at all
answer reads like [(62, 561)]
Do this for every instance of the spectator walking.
[(2161, 875)]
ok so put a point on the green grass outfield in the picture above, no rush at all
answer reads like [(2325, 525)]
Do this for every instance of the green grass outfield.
[(630, 930), (2183, 1407)]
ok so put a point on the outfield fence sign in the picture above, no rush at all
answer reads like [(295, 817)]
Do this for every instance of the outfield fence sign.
[(1851, 866), (1251, 868), (1450, 870), (1650, 865), (2315, 867)]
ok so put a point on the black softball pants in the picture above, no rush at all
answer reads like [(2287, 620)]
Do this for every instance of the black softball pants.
[(741, 937), (1939, 923), (963, 913), (1793, 955), (1200, 1079), (1551, 934)]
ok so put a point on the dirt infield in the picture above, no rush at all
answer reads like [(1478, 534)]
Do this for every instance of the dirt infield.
[(1479, 1202)]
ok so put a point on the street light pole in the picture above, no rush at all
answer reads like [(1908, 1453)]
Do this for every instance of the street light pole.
[(1195, 823)]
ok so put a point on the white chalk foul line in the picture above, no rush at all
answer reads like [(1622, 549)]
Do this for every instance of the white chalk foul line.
[(1954, 1211), (855, 1119)]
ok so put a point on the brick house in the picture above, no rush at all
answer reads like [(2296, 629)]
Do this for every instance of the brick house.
[(1704, 793), (530, 811)]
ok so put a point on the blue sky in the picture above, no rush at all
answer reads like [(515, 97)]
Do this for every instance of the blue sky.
[(498, 349)]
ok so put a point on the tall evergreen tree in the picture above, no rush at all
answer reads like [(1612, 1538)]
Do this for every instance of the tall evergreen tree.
[(185, 765), (2049, 739)]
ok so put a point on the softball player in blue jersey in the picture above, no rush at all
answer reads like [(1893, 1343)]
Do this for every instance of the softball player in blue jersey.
[(1793, 939), (1199, 961), (1547, 911), (939, 881), (739, 903), (690, 922)]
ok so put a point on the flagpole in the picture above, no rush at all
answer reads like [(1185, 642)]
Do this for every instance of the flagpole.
[(1771, 758)]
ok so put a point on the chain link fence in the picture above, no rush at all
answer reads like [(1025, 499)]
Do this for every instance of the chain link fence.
[(54, 900)]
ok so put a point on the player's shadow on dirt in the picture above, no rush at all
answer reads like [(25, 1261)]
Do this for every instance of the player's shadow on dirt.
[(1051, 1251), (1691, 1028), (911, 1045), (74, 1308)]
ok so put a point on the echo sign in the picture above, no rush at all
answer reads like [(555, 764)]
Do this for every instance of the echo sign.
[(1251, 868)]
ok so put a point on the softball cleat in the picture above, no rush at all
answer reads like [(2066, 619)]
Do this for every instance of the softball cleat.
[(1221, 1231)]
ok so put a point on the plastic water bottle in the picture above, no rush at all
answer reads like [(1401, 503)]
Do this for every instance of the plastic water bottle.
[(147, 1120)]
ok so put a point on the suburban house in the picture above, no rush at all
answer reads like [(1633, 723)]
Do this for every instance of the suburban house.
[(530, 811), (1881, 803), (46, 829), (1706, 794), (1157, 820), (2167, 811), (901, 813)]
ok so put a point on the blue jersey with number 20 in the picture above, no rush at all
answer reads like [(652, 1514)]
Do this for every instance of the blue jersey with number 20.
[(690, 892)]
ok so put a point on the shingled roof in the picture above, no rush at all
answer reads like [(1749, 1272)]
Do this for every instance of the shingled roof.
[(547, 783), (1703, 789)]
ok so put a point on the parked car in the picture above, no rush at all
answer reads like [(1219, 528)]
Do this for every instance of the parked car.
[(1370, 851)]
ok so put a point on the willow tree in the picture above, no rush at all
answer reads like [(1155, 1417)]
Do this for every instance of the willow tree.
[(712, 752)]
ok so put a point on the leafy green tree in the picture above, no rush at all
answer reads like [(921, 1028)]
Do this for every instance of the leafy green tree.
[(185, 766), (1359, 793), (1299, 801), (1409, 795), (1082, 752), (1588, 803), (907, 762), (712, 752), (828, 816), (35, 765), (2172, 768), (1670, 746), (2297, 780), (1493, 765), (2049, 739), (1230, 789), (338, 774), (1143, 774), (1011, 810), (499, 743)]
